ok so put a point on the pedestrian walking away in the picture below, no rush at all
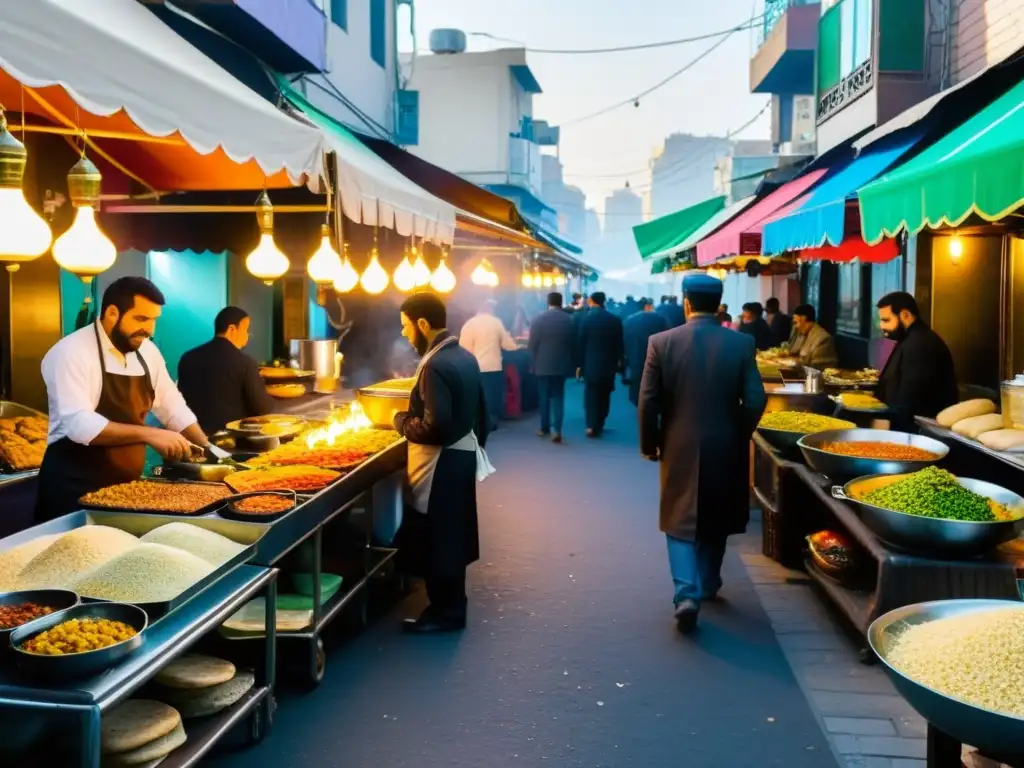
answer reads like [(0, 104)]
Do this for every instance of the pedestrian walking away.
[(636, 331), (446, 428), (552, 357), (601, 356), (484, 336), (701, 398)]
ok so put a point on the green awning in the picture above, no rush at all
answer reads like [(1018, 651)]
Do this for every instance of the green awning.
[(669, 231), (976, 168)]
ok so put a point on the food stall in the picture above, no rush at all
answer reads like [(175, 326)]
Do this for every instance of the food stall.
[(178, 564)]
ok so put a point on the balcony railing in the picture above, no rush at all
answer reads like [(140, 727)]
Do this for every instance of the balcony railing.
[(774, 10)]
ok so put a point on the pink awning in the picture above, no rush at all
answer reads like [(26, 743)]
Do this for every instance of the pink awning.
[(742, 235)]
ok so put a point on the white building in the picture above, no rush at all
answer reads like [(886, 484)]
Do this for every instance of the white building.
[(623, 210)]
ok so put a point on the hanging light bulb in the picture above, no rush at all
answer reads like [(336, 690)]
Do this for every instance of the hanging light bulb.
[(83, 249), (24, 234), (420, 270), (527, 280), (547, 280), (374, 279), (266, 262), (493, 278), (405, 276), (559, 279), (443, 279), (324, 265), (482, 274), (347, 277)]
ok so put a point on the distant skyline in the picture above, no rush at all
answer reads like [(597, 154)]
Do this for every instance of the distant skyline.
[(601, 154)]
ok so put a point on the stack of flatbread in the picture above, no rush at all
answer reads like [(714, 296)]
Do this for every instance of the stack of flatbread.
[(140, 732), (200, 686)]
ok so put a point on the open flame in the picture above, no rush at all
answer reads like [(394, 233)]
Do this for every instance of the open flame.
[(343, 421)]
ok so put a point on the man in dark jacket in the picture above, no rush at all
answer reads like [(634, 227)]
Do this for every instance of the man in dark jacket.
[(670, 310), (636, 330), (601, 353), (219, 382), (918, 378), (779, 323), (754, 325), (700, 400), (445, 424), (552, 358)]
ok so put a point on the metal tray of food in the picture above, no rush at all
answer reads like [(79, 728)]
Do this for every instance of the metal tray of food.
[(932, 536), (211, 507), (837, 465), (997, 733), (139, 524), (12, 410)]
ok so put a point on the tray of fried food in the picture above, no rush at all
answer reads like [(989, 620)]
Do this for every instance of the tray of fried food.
[(23, 441), (346, 451), (301, 479), (842, 377), (168, 497)]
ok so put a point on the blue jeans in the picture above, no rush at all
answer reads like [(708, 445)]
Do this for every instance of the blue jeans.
[(696, 567), (551, 397), (494, 395)]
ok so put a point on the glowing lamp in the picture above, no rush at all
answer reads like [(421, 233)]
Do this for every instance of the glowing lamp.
[(374, 279), (527, 280), (956, 248), (560, 280), (405, 277), (443, 279), (484, 274), (420, 272), (84, 250), (324, 265), (547, 281), (266, 262), (347, 277), (24, 235)]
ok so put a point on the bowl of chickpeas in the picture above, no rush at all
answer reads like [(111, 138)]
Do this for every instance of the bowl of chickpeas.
[(80, 641)]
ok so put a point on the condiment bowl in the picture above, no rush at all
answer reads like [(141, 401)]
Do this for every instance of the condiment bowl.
[(996, 733), (837, 466), (78, 665), (57, 599), (932, 536), (232, 512)]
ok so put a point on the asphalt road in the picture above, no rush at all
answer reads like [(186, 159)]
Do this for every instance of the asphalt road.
[(571, 657)]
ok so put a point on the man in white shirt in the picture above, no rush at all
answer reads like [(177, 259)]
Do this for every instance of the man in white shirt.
[(484, 335), (101, 383)]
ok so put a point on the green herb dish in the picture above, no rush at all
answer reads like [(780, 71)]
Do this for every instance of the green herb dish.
[(934, 492)]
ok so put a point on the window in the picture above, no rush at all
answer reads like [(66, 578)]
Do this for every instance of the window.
[(854, 286), (339, 13), (855, 45), (379, 31)]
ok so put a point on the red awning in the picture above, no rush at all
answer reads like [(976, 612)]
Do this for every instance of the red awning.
[(742, 235), (854, 248)]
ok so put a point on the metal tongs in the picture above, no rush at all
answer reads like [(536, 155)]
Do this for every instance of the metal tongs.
[(217, 455)]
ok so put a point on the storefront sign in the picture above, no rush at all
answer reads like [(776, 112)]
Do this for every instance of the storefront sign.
[(849, 89)]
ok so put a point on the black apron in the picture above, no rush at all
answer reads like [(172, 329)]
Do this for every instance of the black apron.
[(70, 470)]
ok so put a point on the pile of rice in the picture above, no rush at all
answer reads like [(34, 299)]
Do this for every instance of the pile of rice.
[(211, 547), (975, 657), (147, 573), (72, 554), (13, 560)]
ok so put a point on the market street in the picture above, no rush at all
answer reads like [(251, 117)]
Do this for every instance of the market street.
[(571, 657)]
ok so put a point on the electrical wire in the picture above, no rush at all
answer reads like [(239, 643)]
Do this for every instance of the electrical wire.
[(635, 100), (626, 48)]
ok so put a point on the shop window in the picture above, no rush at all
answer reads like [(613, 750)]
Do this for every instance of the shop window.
[(853, 316), (339, 13), (379, 31), (829, 35)]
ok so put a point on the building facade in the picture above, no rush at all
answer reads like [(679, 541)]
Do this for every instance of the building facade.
[(623, 210), (569, 202), (683, 171)]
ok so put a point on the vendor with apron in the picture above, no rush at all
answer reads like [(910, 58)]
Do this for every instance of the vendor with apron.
[(446, 428), (102, 381)]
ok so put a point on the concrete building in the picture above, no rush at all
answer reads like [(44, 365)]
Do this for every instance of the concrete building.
[(476, 119), (623, 210), (569, 202), (683, 171)]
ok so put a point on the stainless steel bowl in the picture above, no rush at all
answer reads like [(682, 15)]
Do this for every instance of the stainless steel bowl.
[(79, 665), (381, 402), (57, 599), (930, 536), (993, 732), (780, 439), (836, 465)]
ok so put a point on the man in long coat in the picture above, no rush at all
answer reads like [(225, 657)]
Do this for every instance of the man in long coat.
[(637, 329), (600, 358), (700, 400)]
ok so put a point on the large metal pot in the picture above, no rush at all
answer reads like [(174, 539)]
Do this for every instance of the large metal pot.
[(994, 732), (836, 466), (323, 358), (382, 401), (930, 536)]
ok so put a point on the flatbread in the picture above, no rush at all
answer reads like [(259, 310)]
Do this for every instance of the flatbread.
[(135, 723), (147, 753), (194, 670), (210, 701)]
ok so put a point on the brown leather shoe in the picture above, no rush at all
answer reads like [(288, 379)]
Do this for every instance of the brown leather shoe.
[(556, 438)]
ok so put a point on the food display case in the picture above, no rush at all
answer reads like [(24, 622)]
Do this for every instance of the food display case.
[(22, 442)]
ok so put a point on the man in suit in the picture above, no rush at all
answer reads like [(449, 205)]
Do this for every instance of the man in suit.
[(812, 344), (918, 378), (779, 323), (670, 310), (700, 400), (754, 325), (636, 330), (552, 353), (601, 352)]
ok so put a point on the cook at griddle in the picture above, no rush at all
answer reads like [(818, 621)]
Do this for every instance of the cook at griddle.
[(220, 382)]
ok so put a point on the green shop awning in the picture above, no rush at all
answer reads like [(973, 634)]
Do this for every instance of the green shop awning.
[(669, 231), (976, 168)]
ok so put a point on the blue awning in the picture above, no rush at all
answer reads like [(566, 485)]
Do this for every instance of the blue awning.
[(545, 235), (821, 217)]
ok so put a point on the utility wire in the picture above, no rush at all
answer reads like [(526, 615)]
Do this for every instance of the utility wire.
[(635, 100), (754, 22)]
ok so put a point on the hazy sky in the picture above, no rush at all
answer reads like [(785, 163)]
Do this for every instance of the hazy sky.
[(600, 154)]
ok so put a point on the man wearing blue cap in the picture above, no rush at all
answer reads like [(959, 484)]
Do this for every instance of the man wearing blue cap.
[(701, 398)]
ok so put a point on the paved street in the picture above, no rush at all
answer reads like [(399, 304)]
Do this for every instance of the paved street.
[(572, 659)]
